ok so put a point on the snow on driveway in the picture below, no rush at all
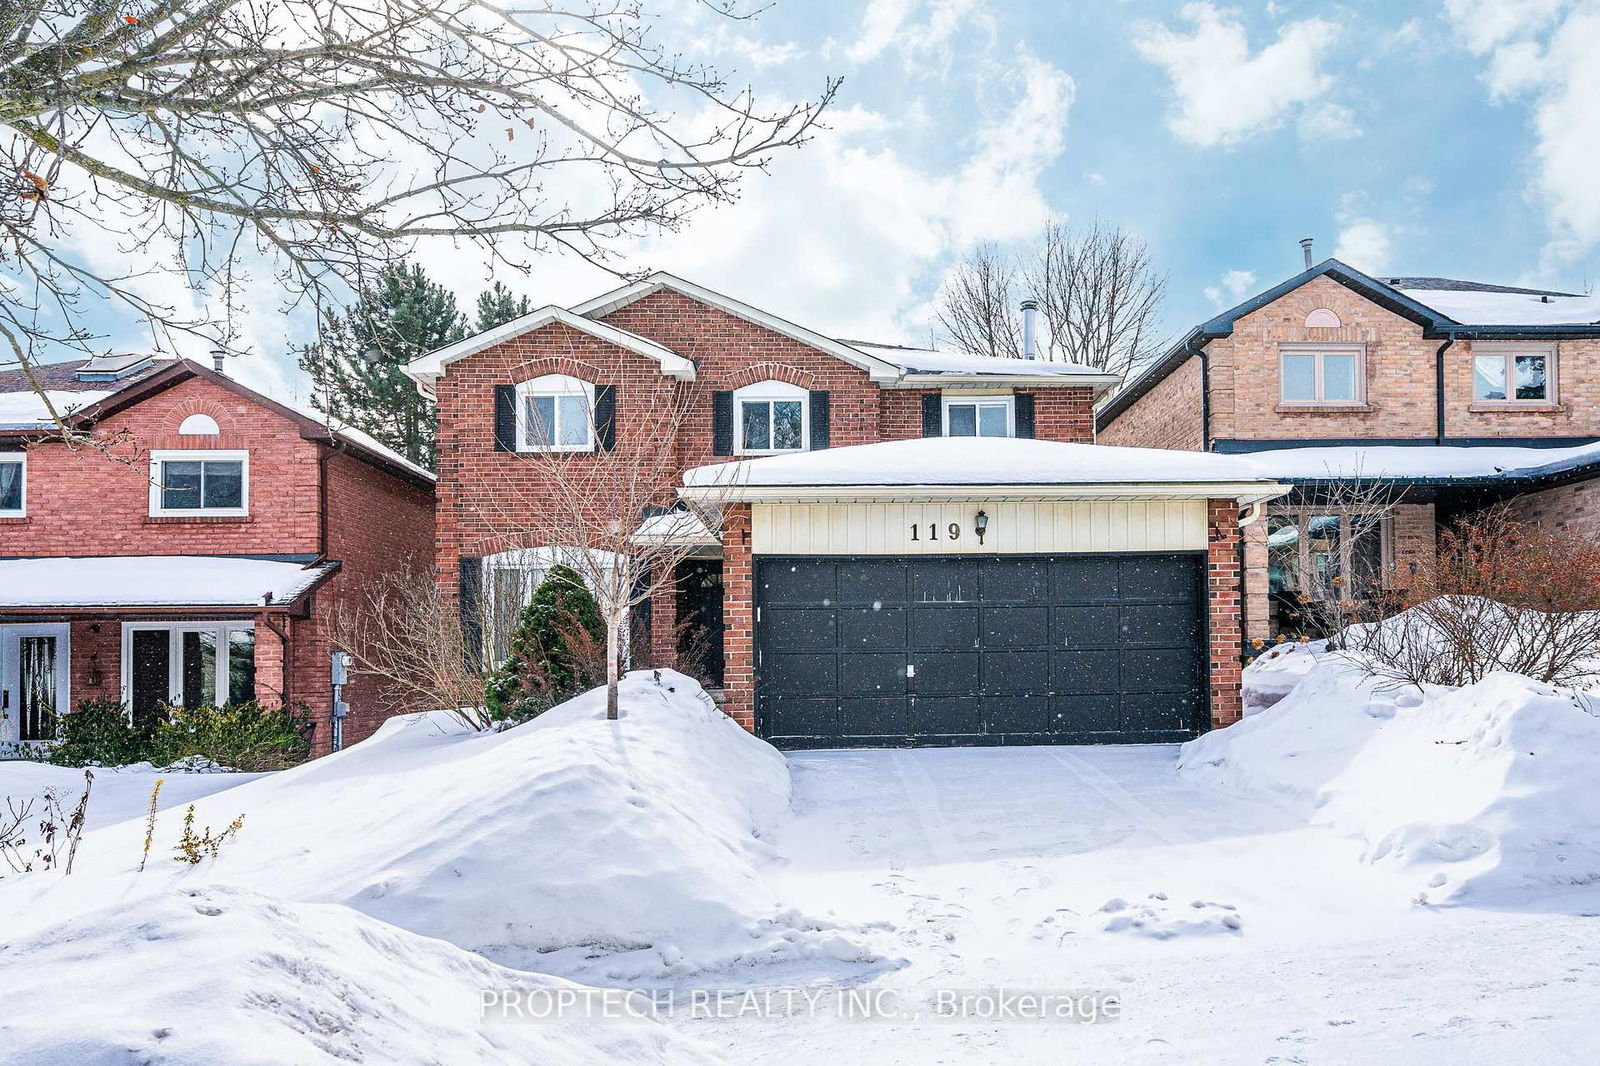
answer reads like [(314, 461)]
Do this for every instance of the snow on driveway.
[(1233, 931)]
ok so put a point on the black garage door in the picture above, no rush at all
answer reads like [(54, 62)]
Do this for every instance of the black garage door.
[(1065, 649)]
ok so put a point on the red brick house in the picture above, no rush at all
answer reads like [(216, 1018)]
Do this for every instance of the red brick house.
[(952, 561), (1448, 394), (196, 559)]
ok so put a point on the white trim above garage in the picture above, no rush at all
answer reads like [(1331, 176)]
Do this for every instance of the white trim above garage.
[(949, 527)]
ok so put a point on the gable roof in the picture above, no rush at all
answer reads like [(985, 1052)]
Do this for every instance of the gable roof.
[(105, 398), (878, 369), (427, 369), (1479, 310)]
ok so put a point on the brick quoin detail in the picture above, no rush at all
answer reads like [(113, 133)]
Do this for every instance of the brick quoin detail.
[(738, 616), (1223, 583)]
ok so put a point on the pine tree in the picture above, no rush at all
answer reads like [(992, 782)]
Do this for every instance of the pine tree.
[(556, 651), (359, 354), (498, 306)]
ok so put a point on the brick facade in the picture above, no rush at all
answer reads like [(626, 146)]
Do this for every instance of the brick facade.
[(1168, 416), (82, 503), (1224, 603), (738, 615)]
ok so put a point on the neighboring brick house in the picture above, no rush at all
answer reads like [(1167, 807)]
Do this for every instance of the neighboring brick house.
[(196, 557), (1449, 394), (1075, 604)]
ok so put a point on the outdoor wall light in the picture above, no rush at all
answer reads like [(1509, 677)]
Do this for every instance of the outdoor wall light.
[(980, 525)]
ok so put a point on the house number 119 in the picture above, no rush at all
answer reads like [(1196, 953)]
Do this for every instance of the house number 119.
[(952, 531)]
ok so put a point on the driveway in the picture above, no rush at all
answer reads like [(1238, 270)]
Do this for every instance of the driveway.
[(1274, 942)]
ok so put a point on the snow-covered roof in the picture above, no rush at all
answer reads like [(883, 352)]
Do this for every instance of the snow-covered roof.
[(156, 581), (1418, 462), (924, 362), (675, 527), (1473, 308), (942, 465), (425, 370), (26, 410)]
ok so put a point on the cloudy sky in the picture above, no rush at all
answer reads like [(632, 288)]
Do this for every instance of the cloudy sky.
[(1441, 137)]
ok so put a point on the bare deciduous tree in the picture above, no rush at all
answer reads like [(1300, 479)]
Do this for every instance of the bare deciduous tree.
[(1329, 556), (1098, 291), (330, 137), (611, 514)]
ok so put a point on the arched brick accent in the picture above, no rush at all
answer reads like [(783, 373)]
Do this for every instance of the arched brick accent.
[(784, 372)]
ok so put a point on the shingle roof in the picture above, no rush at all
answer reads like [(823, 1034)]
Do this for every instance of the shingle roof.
[(1455, 285), (63, 377)]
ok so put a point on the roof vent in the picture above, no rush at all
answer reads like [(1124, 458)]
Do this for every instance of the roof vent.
[(1305, 247), (113, 367)]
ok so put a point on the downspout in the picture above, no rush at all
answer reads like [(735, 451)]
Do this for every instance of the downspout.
[(334, 445), (283, 643), (1438, 386), (1205, 391)]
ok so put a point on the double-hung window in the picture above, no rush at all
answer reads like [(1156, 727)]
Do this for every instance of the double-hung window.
[(199, 483), (13, 484), (1514, 374), (771, 416), (555, 413), (979, 416), (1322, 374)]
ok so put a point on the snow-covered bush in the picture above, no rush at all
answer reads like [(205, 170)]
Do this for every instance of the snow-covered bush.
[(242, 736), (99, 733)]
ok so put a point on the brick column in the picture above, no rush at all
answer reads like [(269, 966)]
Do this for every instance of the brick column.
[(663, 626), (738, 616), (1223, 581), (1257, 582), (271, 669)]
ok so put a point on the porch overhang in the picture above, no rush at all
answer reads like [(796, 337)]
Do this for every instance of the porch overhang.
[(1245, 492), (157, 586)]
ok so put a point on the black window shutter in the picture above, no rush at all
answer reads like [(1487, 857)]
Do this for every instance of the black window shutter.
[(932, 415), (470, 597), (722, 423), (820, 419), (505, 418), (1024, 413), (605, 418)]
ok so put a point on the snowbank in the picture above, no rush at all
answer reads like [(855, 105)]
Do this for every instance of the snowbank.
[(639, 843), (213, 975), (1484, 792)]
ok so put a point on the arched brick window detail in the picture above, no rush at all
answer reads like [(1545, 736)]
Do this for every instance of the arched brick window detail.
[(1322, 318)]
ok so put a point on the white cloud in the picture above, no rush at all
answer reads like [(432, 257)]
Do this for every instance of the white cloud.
[(1548, 51), (1231, 288), (1366, 244), (1222, 92), (1327, 123), (914, 27)]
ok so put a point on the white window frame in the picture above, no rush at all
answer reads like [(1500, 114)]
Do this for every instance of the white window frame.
[(1507, 351), (1320, 350), (199, 425), (183, 455), (556, 386), (21, 460), (175, 631), (1008, 401), (771, 391)]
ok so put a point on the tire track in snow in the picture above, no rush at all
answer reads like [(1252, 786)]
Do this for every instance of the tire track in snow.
[(926, 811), (1111, 790)]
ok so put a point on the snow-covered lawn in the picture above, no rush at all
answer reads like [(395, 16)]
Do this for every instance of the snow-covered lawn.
[(994, 866)]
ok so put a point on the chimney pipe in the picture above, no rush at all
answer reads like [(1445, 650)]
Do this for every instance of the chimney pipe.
[(217, 355), (1030, 329), (1305, 246)]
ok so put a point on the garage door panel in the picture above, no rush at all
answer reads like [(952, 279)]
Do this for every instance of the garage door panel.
[(1083, 579), (1015, 627), (871, 581), (1085, 671), (1003, 650), (874, 717), (1016, 714), (1171, 625), (801, 674), (944, 628), (944, 581), (872, 674), (1157, 670), (1015, 672), (944, 674), (1084, 627), (800, 629), (935, 715), (1022, 581), (867, 629)]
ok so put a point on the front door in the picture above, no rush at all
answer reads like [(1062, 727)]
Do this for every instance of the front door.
[(33, 680)]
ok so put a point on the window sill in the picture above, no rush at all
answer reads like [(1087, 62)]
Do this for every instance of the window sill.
[(1514, 406), (197, 519), (777, 451), (11, 518), (1324, 408), (565, 449)]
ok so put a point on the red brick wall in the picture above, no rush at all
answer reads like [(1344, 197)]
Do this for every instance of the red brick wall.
[(1566, 509), (738, 616), (1223, 580), (1060, 414), (1168, 416)]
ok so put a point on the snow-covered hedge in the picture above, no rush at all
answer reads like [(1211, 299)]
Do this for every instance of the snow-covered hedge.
[(1485, 791)]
